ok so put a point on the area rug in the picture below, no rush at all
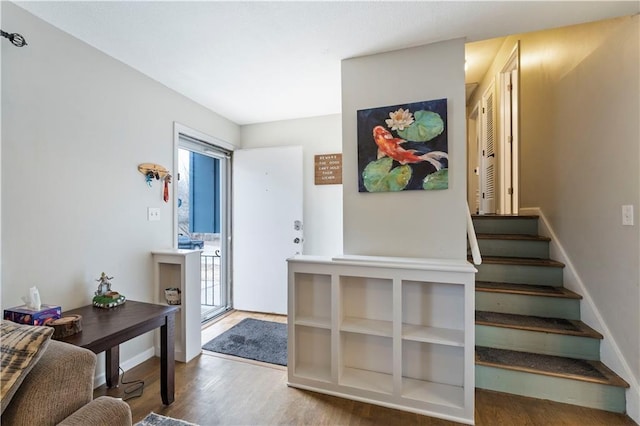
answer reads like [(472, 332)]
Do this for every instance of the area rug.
[(154, 419), (254, 339)]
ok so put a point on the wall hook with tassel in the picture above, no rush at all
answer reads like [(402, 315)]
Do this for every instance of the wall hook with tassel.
[(165, 193), (15, 38)]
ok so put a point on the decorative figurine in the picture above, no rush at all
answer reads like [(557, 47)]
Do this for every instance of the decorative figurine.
[(105, 285), (104, 297)]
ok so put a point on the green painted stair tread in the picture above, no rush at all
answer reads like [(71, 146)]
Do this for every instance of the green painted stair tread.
[(521, 261), (533, 323), (526, 289), (524, 237), (496, 224), (518, 245), (504, 216), (551, 365)]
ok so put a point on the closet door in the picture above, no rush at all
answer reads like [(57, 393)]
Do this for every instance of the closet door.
[(488, 163)]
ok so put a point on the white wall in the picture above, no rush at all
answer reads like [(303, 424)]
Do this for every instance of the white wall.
[(580, 162), (322, 203), (407, 223), (1, 304), (585, 138), (75, 125)]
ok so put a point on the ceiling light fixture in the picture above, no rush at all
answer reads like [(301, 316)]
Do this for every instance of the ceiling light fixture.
[(15, 38)]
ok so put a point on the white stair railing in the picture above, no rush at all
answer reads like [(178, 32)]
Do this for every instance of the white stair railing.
[(473, 242)]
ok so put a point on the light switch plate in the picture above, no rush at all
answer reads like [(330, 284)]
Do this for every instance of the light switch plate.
[(627, 215), (153, 213)]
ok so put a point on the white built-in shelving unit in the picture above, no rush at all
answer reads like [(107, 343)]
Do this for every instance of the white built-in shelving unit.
[(396, 332), (181, 269)]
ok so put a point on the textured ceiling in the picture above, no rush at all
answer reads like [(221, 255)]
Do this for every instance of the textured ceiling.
[(266, 61)]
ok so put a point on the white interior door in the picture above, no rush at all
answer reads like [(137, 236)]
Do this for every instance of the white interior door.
[(515, 142), (488, 168), (508, 175), (505, 143), (267, 205)]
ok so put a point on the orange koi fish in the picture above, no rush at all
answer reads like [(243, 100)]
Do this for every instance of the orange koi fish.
[(390, 147)]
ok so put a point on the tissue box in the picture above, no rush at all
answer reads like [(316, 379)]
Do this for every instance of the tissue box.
[(24, 315)]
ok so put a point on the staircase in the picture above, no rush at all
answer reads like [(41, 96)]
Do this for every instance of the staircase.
[(529, 337)]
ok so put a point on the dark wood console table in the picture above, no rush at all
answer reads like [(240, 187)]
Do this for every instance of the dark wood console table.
[(103, 330)]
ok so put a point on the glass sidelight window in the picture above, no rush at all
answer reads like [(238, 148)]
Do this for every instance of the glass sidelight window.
[(203, 217)]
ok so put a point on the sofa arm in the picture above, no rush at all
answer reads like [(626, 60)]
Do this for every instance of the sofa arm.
[(102, 411), (57, 386)]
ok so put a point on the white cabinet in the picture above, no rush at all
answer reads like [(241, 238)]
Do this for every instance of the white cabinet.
[(181, 269), (389, 331)]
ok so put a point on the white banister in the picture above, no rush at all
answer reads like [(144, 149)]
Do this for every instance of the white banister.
[(473, 242)]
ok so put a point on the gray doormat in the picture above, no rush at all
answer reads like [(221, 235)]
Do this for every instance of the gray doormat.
[(254, 339)]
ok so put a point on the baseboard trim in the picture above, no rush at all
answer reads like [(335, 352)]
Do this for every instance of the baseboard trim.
[(610, 353)]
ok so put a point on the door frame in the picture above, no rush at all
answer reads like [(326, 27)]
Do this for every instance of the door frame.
[(508, 172), (219, 147), (474, 130)]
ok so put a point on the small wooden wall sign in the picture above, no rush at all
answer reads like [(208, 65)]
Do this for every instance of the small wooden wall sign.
[(328, 169)]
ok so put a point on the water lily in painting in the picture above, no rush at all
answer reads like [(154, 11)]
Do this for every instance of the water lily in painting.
[(427, 126), (437, 180), (380, 177), (399, 119)]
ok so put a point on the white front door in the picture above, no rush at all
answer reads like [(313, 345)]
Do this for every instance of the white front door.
[(267, 209)]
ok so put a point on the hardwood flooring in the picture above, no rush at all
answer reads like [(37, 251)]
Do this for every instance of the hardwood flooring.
[(215, 389)]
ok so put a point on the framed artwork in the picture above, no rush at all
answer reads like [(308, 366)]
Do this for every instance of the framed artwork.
[(403, 147)]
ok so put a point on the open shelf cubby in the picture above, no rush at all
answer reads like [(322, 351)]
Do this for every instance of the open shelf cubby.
[(313, 300), (433, 312), (313, 353), (433, 373), (366, 305), (366, 362), (170, 276), (387, 331), (181, 269)]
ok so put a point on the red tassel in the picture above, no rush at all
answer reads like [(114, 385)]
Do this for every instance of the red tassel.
[(165, 194)]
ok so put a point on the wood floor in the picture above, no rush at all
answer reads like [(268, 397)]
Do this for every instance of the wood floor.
[(215, 389)]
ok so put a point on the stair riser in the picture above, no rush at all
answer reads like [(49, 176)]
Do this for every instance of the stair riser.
[(538, 342), (522, 304), (520, 274), (514, 248), (506, 226), (585, 394)]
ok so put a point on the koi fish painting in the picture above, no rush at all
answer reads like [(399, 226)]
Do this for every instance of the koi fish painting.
[(403, 147)]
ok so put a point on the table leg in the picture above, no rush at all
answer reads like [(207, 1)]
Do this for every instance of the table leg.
[(112, 372), (167, 360)]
